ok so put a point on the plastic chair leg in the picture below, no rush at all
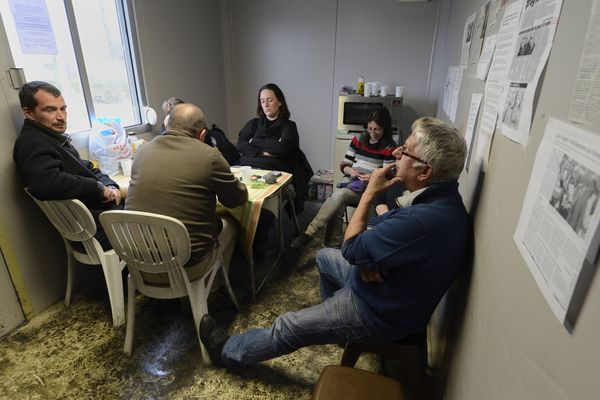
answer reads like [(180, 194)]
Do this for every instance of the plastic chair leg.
[(131, 288), (198, 296), (114, 283)]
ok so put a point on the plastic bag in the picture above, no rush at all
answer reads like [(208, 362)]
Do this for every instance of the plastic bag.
[(108, 144)]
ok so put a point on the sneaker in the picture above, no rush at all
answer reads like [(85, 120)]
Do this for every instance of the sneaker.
[(300, 241), (213, 337)]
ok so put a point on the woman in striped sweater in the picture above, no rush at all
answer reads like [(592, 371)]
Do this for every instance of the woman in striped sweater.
[(371, 150)]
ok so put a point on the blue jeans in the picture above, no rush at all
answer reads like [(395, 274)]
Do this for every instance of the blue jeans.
[(335, 320)]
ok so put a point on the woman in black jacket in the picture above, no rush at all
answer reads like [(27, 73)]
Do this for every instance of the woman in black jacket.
[(270, 141)]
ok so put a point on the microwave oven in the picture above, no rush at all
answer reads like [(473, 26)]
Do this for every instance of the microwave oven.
[(354, 110)]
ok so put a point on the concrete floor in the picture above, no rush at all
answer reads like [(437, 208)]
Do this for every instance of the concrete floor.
[(76, 353)]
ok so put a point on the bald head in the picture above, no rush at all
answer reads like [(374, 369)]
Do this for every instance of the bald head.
[(186, 118)]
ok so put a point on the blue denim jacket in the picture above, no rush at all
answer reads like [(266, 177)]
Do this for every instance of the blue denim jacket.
[(418, 250)]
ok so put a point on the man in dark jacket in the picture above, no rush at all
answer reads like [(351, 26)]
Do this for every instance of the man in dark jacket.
[(392, 270), (48, 165)]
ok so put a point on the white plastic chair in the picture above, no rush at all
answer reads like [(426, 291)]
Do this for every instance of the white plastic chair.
[(75, 223), (158, 244)]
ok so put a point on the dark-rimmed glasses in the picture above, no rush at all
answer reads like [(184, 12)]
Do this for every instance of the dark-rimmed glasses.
[(404, 153)]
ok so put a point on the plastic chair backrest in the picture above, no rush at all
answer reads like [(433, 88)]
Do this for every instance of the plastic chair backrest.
[(150, 243), (73, 221)]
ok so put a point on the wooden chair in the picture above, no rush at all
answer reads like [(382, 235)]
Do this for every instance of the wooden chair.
[(158, 245), (75, 224), (411, 350), (346, 383)]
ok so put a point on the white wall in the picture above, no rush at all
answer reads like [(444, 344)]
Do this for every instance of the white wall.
[(32, 249), (292, 44), (510, 345), (182, 54), (313, 48), (388, 42)]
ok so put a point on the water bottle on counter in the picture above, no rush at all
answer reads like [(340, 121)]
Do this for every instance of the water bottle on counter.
[(361, 85)]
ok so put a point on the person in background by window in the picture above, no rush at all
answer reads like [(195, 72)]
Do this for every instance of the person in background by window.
[(167, 106), (371, 150), (49, 166)]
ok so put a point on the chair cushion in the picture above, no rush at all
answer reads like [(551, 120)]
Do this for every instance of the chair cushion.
[(336, 382)]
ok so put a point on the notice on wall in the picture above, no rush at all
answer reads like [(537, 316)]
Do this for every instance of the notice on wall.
[(479, 32), (558, 233), (473, 111), (33, 26), (483, 66), (505, 43), (495, 7), (452, 90), (539, 19), (467, 39), (585, 105)]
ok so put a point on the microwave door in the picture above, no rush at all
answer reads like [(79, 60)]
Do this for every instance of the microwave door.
[(356, 113)]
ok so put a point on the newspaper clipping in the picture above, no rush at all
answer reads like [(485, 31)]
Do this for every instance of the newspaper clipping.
[(558, 232), (536, 35), (585, 105), (506, 39)]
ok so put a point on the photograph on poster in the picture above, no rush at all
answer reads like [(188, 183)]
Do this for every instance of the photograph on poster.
[(575, 194), (512, 108)]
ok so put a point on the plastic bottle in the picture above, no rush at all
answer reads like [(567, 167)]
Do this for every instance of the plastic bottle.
[(361, 85)]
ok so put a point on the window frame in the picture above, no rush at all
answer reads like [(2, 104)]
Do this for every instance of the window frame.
[(130, 45)]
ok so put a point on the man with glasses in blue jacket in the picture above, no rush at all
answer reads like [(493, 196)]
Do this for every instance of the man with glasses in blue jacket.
[(392, 270)]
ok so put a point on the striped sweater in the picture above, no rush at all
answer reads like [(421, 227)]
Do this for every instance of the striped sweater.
[(365, 157)]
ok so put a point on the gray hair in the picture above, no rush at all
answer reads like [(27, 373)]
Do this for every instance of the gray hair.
[(170, 103), (443, 147), (186, 118), (426, 121)]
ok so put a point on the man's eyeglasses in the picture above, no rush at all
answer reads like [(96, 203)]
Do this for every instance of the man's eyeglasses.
[(402, 151)]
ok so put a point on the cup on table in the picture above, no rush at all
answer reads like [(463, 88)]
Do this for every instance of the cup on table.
[(126, 166), (246, 172)]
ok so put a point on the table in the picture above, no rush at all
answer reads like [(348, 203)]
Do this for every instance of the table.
[(270, 197)]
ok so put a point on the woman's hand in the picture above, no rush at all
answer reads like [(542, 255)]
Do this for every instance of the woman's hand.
[(351, 172), (364, 177)]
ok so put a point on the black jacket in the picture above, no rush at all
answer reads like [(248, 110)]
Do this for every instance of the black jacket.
[(280, 138), (51, 168)]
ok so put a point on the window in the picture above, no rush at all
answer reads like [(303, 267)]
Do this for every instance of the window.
[(84, 48)]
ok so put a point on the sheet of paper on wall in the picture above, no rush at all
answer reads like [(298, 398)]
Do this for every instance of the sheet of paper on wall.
[(505, 43), (485, 60), (558, 233), (473, 111), (539, 19), (479, 32), (495, 6), (33, 27), (452, 90), (585, 104), (467, 39)]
